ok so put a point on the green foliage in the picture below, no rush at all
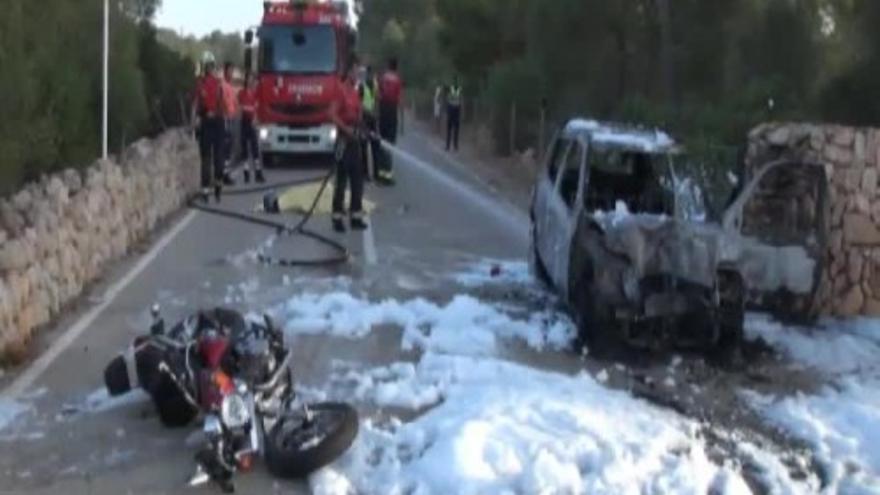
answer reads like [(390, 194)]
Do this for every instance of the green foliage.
[(226, 47), (50, 85), (708, 71)]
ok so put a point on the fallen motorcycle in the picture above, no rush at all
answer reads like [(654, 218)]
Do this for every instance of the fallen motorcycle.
[(236, 375)]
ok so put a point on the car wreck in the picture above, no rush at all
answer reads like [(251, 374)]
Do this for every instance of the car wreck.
[(618, 233)]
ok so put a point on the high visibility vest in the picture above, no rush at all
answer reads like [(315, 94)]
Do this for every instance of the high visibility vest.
[(454, 98), (368, 100)]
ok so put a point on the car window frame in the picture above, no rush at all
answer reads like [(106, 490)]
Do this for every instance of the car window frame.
[(557, 186)]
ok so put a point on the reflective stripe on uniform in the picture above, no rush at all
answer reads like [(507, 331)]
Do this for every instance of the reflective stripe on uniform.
[(455, 96), (369, 99)]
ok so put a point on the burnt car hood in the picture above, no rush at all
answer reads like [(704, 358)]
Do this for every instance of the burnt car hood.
[(694, 252)]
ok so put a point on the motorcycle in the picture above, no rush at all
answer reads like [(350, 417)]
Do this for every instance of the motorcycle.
[(236, 375)]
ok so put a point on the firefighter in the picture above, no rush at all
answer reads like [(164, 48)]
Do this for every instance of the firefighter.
[(346, 113), (371, 147), (453, 114), (247, 101), (230, 111), (390, 96), (208, 109)]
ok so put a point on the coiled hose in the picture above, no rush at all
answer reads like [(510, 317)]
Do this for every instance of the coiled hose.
[(340, 252)]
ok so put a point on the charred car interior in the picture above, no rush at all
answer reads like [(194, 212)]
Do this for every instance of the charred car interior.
[(612, 236)]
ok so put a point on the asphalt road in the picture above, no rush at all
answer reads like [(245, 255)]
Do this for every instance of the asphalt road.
[(71, 441), (438, 220)]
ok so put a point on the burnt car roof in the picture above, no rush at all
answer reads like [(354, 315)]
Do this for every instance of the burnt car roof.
[(610, 135)]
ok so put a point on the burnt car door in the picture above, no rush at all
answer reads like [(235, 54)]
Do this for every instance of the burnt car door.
[(782, 215), (544, 191), (562, 211)]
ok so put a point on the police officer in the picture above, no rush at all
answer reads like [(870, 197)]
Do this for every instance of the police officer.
[(390, 96), (346, 113), (208, 108), (368, 90), (250, 152), (453, 114)]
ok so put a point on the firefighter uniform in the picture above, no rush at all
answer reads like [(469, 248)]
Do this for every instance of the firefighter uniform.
[(250, 152), (349, 169), (371, 145), (209, 108), (453, 116), (390, 96), (230, 114)]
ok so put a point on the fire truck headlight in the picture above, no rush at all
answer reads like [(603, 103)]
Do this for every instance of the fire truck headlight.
[(333, 134), (264, 133)]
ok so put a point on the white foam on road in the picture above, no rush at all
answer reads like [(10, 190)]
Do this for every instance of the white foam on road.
[(10, 410), (840, 423), (500, 427), (463, 323)]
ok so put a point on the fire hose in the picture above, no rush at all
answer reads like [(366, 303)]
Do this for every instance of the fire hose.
[(341, 253)]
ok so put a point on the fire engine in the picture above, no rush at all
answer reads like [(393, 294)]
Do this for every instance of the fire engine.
[(302, 50)]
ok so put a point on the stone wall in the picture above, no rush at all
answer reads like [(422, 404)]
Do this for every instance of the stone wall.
[(59, 234), (851, 160)]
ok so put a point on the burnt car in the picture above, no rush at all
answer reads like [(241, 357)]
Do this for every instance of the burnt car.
[(621, 237)]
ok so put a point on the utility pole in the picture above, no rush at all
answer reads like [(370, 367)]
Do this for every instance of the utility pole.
[(105, 108)]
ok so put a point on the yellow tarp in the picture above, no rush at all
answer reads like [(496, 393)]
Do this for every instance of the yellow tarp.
[(299, 199)]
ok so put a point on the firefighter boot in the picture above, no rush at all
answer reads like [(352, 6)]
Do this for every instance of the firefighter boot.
[(259, 176), (338, 223), (218, 189), (359, 224), (247, 175)]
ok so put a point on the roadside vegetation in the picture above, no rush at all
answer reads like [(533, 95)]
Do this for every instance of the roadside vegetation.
[(50, 82), (708, 70)]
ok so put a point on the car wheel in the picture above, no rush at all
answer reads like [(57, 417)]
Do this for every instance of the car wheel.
[(536, 266), (596, 328)]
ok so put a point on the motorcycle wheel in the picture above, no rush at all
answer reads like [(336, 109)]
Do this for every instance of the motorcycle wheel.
[(296, 448)]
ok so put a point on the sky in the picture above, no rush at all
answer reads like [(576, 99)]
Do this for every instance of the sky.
[(200, 17)]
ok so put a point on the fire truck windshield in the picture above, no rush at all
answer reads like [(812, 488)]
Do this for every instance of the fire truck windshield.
[(298, 49)]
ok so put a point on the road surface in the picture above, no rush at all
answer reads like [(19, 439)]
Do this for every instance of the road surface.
[(439, 221), (438, 218)]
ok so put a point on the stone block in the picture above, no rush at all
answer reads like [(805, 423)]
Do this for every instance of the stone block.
[(851, 303), (855, 263), (869, 182), (858, 229), (843, 136)]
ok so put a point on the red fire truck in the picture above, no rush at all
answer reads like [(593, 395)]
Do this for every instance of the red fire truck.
[(303, 47)]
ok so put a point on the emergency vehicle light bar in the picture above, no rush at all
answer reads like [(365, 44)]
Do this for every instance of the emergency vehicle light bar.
[(339, 7)]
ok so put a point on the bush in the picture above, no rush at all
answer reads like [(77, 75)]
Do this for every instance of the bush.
[(50, 85)]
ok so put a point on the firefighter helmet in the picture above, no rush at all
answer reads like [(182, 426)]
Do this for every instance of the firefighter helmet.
[(208, 59)]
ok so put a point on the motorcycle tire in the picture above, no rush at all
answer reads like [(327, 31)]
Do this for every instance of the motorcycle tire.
[(289, 451)]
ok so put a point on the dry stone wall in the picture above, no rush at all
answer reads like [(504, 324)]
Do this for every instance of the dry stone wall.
[(59, 234), (851, 160)]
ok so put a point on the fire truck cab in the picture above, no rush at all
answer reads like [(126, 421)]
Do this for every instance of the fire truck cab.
[(303, 49)]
